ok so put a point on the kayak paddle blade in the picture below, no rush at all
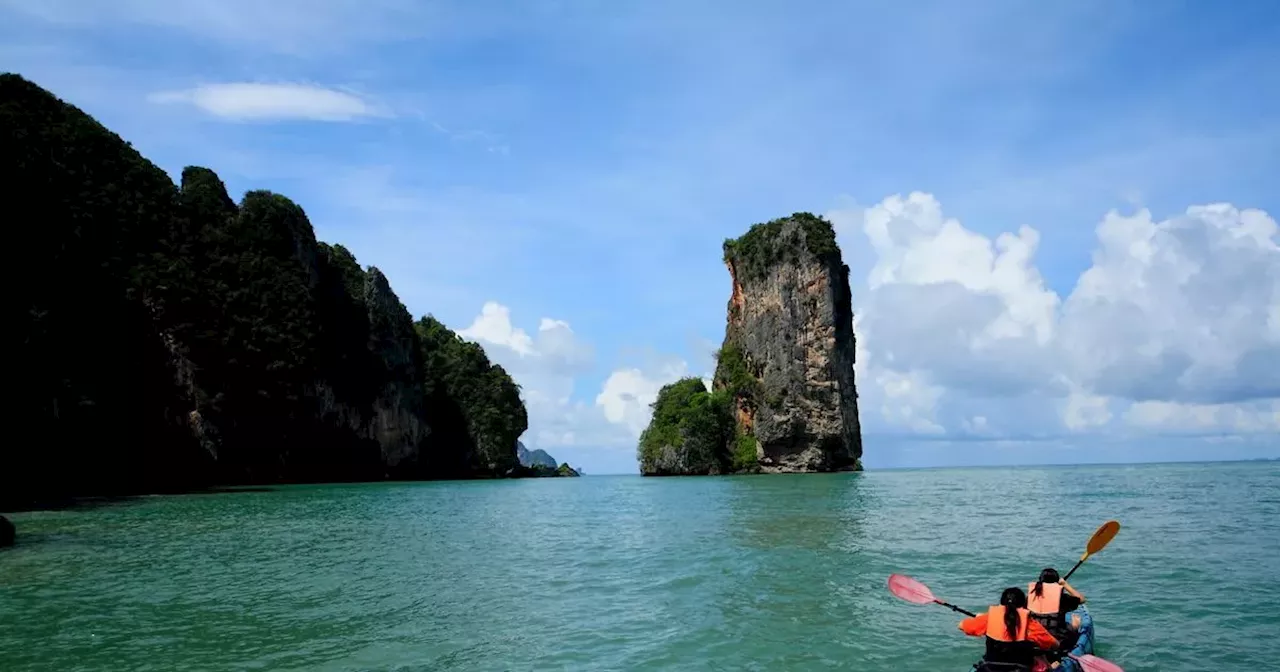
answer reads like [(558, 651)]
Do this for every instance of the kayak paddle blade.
[(1092, 663), (1102, 537), (910, 590)]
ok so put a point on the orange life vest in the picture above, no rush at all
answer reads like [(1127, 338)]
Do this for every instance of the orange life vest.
[(1050, 602), (1003, 652), (996, 629)]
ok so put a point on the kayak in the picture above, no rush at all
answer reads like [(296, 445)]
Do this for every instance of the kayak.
[(1084, 645)]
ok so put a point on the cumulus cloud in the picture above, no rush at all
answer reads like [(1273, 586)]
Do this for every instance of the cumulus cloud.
[(1173, 327), (1246, 418), (246, 101), (547, 363), (1179, 310), (627, 394)]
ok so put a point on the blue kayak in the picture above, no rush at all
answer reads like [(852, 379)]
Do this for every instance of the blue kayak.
[(1084, 645)]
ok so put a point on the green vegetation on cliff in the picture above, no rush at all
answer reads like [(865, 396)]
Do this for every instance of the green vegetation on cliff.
[(689, 431), (168, 338), (761, 249), (475, 405), (694, 431)]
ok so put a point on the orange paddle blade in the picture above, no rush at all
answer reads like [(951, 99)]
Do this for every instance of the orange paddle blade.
[(1102, 537)]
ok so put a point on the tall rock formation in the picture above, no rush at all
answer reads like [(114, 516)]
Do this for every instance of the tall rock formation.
[(790, 337), (783, 398)]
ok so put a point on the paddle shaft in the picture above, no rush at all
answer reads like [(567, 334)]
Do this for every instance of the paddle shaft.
[(1073, 569), (953, 607), (1097, 542)]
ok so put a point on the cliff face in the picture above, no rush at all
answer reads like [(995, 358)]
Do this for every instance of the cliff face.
[(168, 338), (783, 398), (399, 422), (534, 458), (474, 407), (790, 327)]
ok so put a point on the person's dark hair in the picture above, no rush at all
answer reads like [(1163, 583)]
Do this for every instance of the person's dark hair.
[(1012, 599), (1049, 575)]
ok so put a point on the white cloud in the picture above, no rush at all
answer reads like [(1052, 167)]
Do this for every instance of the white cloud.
[(554, 351), (546, 366), (493, 326), (244, 101), (627, 395), (1178, 310), (1234, 418), (909, 400), (1177, 321), (1084, 411)]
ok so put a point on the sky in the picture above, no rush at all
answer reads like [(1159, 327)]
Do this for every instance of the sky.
[(1060, 217)]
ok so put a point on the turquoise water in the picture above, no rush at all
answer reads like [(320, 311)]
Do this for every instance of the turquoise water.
[(625, 573)]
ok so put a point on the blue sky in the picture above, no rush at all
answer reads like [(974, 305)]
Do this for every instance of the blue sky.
[(1060, 217)]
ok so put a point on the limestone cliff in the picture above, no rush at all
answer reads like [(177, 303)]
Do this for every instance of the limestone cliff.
[(790, 328), (398, 424), (167, 337), (534, 458), (783, 398)]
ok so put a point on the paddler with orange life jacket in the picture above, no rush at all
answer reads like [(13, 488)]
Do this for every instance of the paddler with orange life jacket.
[(1014, 639), (1050, 600)]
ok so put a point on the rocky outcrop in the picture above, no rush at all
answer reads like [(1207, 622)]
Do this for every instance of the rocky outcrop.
[(783, 398), (538, 462), (788, 349), (535, 457), (7, 532), (169, 338)]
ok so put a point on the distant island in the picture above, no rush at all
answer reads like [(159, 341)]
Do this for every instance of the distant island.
[(540, 461), (168, 338), (783, 398)]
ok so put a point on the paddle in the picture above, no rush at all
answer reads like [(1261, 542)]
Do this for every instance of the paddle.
[(911, 590), (1097, 542)]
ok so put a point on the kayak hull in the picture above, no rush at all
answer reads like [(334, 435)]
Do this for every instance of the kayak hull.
[(1084, 645)]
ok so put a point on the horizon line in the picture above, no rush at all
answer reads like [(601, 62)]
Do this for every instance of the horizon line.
[(1023, 465)]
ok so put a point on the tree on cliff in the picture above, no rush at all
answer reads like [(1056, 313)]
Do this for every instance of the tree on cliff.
[(474, 405), (167, 337), (690, 431)]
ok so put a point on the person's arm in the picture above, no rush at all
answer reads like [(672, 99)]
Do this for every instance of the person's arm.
[(975, 626), (1041, 637), (1072, 591)]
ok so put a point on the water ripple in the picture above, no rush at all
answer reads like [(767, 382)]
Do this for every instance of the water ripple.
[(779, 572)]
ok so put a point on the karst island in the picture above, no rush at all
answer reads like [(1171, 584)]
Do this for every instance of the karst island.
[(783, 398)]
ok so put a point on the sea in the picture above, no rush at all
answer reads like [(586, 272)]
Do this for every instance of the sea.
[(777, 572)]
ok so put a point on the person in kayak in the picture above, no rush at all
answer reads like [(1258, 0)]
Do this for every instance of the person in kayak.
[(1050, 599), (1013, 638)]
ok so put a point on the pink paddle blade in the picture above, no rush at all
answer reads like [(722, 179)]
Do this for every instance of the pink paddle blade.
[(1092, 663), (910, 590)]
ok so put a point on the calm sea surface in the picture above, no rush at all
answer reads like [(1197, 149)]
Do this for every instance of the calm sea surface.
[(624, 573)]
